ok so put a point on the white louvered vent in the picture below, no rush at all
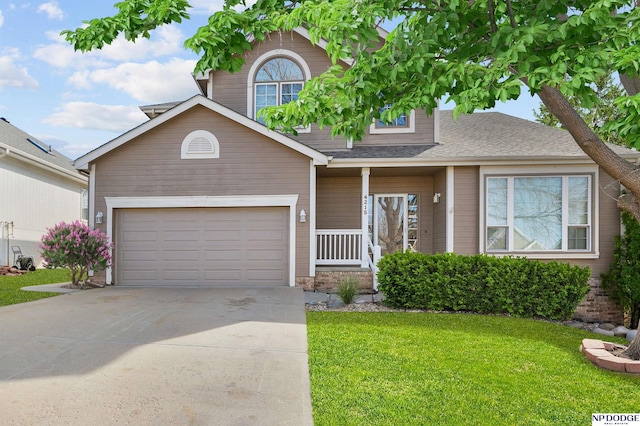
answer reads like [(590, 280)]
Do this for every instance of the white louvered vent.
[(200, 144)]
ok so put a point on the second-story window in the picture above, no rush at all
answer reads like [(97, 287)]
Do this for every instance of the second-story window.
[(277, 82), (399, 121)]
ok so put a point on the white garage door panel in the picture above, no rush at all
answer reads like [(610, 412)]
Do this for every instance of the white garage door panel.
[(202, 246)]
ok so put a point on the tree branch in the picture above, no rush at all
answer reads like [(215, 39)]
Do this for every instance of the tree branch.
[(630, 84), (492, 17), (510, 12), (617, 167)]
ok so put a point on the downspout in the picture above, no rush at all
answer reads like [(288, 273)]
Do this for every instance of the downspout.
[(5, 153)]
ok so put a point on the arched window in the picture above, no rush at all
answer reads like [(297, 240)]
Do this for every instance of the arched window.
[(200, 144), (277, 82)]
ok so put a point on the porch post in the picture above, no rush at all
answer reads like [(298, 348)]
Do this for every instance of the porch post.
[(366, 171)]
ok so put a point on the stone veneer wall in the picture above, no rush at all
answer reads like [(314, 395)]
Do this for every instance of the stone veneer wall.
[(329, 280), (597, 307)]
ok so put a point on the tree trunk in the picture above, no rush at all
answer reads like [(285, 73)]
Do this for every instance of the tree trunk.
[(635, 316), (633, 350), (630, 84), (618, 168)]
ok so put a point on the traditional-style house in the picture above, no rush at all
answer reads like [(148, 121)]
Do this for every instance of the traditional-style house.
[(204, 195)]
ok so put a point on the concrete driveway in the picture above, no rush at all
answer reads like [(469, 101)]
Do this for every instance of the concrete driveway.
[(156, 356)]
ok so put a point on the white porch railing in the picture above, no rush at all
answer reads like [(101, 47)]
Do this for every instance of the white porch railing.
[(375, 253), (338, 246), (344, 247)]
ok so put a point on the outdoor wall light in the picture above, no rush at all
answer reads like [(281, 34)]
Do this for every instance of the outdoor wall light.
[(303, 216), (99, 217), (436, 198)]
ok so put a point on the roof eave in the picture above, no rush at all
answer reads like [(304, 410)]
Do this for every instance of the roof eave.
[(460, 161), (82, 163), (44, 165)]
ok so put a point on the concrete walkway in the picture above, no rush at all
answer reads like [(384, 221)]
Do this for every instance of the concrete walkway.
[(156, 356)]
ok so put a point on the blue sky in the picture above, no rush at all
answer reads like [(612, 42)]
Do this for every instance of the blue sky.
[(77, 102)]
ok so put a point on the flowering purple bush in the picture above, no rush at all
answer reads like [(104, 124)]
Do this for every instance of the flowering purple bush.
[(75, 246)]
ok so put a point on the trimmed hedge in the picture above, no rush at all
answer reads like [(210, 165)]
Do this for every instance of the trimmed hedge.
[(484, 284)]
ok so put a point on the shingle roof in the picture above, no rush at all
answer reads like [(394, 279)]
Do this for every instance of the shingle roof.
[(386, 151), (21, 141), (484, 136), (493, 135)]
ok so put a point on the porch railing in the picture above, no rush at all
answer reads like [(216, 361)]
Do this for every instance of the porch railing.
[(375, 253), (338, 247)]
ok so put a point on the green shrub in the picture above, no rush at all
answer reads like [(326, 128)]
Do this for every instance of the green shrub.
[(483, 284), (622, 280), (347, 290)]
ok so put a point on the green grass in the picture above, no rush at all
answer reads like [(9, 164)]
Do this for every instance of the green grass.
[(456, 369), (11, 294)]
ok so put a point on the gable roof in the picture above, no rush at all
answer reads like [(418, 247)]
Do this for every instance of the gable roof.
[(202, 78), (21, 145), (478, 138), (318, 158), (493, 135)]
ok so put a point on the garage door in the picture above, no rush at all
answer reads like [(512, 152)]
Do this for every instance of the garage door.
[(202, 247)]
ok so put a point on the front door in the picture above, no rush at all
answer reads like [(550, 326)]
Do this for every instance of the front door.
[(390, 222)]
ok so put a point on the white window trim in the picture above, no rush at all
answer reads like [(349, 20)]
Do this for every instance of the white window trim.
[(255, 67), (186, 155), (289, 201), (411, 128), (565, 170)]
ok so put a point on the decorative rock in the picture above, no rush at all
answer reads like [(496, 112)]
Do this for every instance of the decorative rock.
[(599, 330), (620, 331), (335, 302), (574, 324), (631, 334), (607, 326)]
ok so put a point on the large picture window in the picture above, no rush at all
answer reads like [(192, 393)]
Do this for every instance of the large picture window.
[(277, 82), (538, 213)]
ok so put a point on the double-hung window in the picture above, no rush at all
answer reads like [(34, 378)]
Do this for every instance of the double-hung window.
[(538, 213), (277, 82)]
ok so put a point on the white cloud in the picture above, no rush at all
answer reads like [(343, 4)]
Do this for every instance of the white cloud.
[(151, 82), (52, 10), (166, 41), (89, 115), (70, 149), (80, 80), (1, 18), (13, 75), (207, 7)]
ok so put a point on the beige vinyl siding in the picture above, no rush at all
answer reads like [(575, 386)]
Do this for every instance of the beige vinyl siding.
[(423, 133), (230, 90), (249, 164), (338, 201), (466, 210), (440, 212)]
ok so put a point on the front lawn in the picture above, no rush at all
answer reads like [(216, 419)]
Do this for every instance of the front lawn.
[(450, 369), (11, 294)]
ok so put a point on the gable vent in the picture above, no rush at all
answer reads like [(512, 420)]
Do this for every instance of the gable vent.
[(200, 144)]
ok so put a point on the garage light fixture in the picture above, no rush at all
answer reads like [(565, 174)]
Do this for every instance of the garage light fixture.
[(99, 217), (303, 216)]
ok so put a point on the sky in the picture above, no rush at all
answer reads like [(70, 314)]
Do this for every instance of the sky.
[(76, 102)]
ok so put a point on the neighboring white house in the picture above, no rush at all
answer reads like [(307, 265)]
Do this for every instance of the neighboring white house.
[(39, 187)]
